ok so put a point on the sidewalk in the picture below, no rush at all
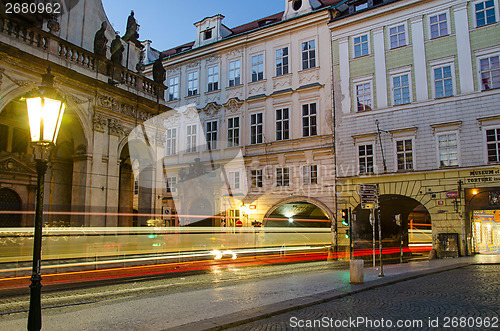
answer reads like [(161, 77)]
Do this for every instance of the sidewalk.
[(232, 305)]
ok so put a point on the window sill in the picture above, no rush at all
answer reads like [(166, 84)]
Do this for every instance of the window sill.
[(308, 69), (212, 92), (258, 81), (192, 96), (360, 57), (282, 76), (234, 87)]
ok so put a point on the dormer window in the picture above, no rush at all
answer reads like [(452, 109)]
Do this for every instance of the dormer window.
[(207, 34), (361, 6), (297, 4)]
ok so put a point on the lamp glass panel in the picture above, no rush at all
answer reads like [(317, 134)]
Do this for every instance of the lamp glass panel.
[(51, 118), (34, 111)]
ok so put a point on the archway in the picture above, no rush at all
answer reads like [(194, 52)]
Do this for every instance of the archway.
[(197, 209), (298, 212), (415, 224), (10, 201)]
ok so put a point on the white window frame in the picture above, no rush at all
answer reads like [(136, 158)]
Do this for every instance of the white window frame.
[(171, 141), (441, 63), (308, 52), (283, 176), (448, 25), (473, 9), (310, 174), (234, 180), (171, 182), (259, 137), (284, 123), (257, 178), (438, 151), (191, 138), (481, 55), (358, 145), (397, 73), (211, 134), (193, 78), (259, 66), (353, 45), (282, 58), (362, 81), (404, 138), (234, 74), (485, 129), (234, 139), (405, 32), (213, 78), (173, 88), (309, 116)]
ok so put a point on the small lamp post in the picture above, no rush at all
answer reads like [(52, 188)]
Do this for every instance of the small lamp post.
[(45, 111)]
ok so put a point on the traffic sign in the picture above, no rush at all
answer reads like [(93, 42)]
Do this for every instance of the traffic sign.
[(239, 224), (369, 196)]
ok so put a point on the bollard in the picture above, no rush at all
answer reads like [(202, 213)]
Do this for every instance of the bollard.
[(357, 272)]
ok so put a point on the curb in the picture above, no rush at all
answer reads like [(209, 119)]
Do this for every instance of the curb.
[(251, 315)]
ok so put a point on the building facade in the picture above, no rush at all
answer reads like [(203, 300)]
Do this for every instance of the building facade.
[(260, 93), (417, 112)]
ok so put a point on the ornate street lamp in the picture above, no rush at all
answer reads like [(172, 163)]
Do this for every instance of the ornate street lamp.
[(45, 111)]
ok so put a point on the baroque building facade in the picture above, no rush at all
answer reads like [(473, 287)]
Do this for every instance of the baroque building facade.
[(260, 94), (417, 112), (90, 178)]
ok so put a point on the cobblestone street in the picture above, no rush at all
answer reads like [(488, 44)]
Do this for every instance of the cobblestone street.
[(465, 298)]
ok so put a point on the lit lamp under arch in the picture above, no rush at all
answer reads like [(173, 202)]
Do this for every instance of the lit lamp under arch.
[(45, 111)]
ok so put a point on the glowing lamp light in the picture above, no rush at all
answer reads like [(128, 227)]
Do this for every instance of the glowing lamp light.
[(45, 112), (475, 191), (290, 220)]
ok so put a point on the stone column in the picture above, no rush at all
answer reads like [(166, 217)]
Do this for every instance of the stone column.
[(98, 169), (126, 195), (113, 173), (80, 190)]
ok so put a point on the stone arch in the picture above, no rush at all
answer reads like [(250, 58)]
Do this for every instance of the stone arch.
[(300, 199)]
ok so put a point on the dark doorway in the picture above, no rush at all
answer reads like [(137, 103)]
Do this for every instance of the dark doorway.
[(9, 201)]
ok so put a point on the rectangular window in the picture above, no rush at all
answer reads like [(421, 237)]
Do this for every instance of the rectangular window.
[(309, 126), (257, 67), (256, 177), (211, 135), (364, 96), (173, 88), (256, 129), (448, 150), (234, 73), (443, 82), (213, 78), (310, 174), (233, 132), (438, 25), (234, 180), (404, 154), (308, 54), (191, 138), (171, 143), (401, 89), (485, 12), (233, 215), (282, 61), (397, 36), (192, 83), (365, 159), (282, 124), (361, 46), (283, 177), (490, 72), (493, 144), (171, 182)]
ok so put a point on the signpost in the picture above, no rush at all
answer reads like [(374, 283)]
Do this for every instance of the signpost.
[(368, 194)]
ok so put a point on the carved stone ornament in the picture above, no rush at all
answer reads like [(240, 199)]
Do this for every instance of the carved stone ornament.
[(233, 105), (212, 59), (233, 52), (100, 122), (112, 104), (211, 108), (191, 113), (115, 128), (193, 64), (11, 164), (309, 76), (172, 120)]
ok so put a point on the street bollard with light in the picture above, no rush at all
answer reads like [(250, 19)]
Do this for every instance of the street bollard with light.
[(45, 112)]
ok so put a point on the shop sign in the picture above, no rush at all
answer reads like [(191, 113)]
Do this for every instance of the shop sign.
[(452, 195), (483, 176)]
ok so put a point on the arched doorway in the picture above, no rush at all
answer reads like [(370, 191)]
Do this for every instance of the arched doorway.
[(9, 201), (197, 210), (299, 212), (415, 228)]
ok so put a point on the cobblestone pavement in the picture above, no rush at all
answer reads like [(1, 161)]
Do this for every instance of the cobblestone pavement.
[(464, 299)]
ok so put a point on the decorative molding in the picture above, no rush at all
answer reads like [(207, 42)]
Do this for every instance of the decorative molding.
[(172, 120), (281, 82), (11, 164), (256, 88), (213, 59), (211, 108), (191, 113), (193, 64), (446, 125), (115, 128), (112, 104), (233, 105), (233, 53), (100, 122), (308, 76)]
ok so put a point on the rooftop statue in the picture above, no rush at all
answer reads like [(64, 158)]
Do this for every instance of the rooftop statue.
[(117, 50), (132, 28), (159, 72), (100, 40)]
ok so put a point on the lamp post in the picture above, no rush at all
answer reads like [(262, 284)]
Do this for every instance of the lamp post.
[(45, 111)]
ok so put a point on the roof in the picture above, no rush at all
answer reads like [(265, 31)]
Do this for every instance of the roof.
[(247, 27)]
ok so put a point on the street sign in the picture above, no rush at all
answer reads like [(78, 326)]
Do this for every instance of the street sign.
[(452, 195), (369, 196), (239, 224)]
